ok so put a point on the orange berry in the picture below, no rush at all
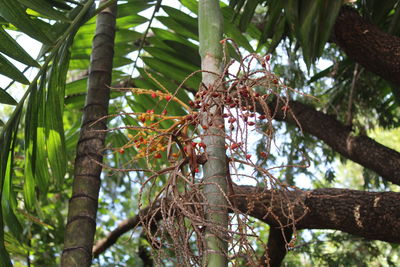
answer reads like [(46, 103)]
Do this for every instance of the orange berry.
[(263, 154), (121, 151)]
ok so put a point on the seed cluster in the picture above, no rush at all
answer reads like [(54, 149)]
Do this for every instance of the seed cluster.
[(173, 145)]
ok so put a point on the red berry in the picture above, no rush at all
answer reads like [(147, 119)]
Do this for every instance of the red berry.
[(248, 156), (234, 146), (121, 151), (231, 120), (153, 95), (263, 154), (262, 117), (267, 57), (196, 170), (168, 97), (157, 155), (164, 112), (194, 144), (251, 123)]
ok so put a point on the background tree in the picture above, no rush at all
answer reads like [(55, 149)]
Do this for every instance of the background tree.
[(357, 93)]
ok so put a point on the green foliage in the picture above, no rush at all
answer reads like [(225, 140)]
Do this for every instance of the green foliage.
[(39, 136)]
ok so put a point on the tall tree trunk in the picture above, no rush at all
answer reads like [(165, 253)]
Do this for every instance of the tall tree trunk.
[(210, 35), (81, 224)]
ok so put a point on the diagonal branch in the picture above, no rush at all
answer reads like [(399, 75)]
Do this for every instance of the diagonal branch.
[(361, 149), (364, 42), (123, 227)]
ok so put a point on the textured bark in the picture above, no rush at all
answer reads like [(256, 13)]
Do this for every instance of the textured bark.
[(377, 51), (81, 222), (276, 246), (361, 149), (372, 215)]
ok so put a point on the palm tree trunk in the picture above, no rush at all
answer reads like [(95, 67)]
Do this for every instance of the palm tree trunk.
[(81, 224), (215, 188)]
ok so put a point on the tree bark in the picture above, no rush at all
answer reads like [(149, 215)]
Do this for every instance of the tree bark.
[(276, 246), (361, 149), (374, 49), (81, 222), (372, 215)]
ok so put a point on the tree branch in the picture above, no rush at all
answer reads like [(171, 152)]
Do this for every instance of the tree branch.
[(123, 227), (370, 215), (364, 42), (276, 246), (361, 149)]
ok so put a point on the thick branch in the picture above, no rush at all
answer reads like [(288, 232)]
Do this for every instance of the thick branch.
[(361, 149), (367, 214), (276, 246), (374, 49), (370, 215)]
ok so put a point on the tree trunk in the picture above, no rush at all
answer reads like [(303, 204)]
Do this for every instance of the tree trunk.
[(215, 183), (81, 224)]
